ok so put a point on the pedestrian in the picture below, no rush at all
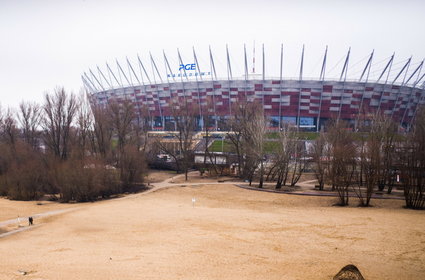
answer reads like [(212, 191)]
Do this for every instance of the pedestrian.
[(30, 221)]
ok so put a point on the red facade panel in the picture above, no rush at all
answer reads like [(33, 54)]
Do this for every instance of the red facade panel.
[(327, 88)]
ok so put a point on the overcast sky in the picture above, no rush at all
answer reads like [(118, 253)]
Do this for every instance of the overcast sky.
[(49, 43)]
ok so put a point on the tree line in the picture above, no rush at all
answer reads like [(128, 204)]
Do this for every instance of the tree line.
[(373, 157), (69, 147)]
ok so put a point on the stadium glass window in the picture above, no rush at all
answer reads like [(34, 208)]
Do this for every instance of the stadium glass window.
[(157, 121), (169, 123), (307, 121), (289, 120), (274, 121)]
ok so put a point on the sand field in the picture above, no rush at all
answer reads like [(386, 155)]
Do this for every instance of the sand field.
[(229, 233)]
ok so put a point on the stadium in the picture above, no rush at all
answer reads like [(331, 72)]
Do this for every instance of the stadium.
[(393, 89)]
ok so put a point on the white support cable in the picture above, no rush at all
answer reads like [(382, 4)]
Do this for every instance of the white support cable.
[(156, 68), (119, 73), (280, 86), (347, 60), (153, 70), (322, 80), (201, 117), (113, 75), (402, 70), (229, 66), (86, 84), (345, 67), (300, 88), (406, 66), (229, 77), (421, 98), (129, 73), (168, 66), (368, 67), (122, 71), (181, 76), (91, 82), (388, 66), (94, 76), (181, 63), (418, 69), (101, 73), (198, 68), (245, 63), (336, 65), (213, 74), (132, 69), (144, 69), (212, 65)]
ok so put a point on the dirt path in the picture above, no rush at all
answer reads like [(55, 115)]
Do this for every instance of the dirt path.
[(22, 222)]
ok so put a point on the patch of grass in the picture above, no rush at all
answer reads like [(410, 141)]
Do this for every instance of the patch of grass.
[(219, 146), (304, 135), (227, 146), (271, 146), (272, 135), (308, 135)]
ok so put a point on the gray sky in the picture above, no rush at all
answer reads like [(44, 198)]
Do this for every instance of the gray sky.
[(49, 43)]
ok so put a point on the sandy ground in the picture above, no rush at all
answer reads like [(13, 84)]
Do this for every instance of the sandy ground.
[(229, 233), (11, 210)]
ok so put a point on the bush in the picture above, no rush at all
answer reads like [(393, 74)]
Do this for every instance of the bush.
[(80, 181), (24, 175), (132, 165)]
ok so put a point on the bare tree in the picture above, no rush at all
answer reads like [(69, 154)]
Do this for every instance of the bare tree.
[(121, 116), (298, 160), (101, 136), (29, 117), (412, 156), (235, 136), (184, 118), (249, 126), (84, 125), (9, 129), (60, 110), (370, 148), (283, 155), (342, 160), (208, 123), (320, 156), (255, 126), (129, 158), (141, 129), (21, 167), (389, 132)]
